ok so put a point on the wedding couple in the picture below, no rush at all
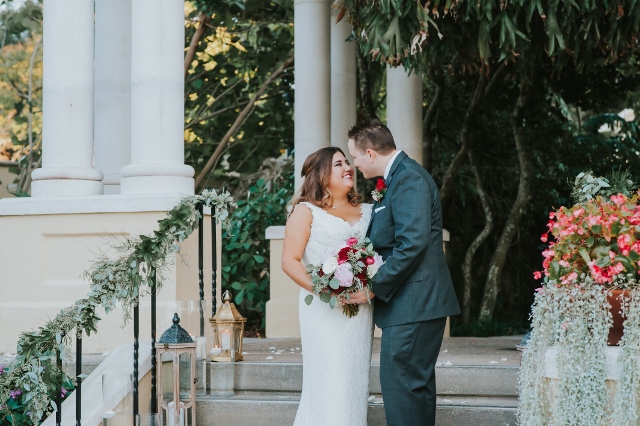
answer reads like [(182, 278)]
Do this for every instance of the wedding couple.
[(412, 291)]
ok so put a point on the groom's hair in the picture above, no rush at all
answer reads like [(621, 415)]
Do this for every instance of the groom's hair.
[(372, 134)]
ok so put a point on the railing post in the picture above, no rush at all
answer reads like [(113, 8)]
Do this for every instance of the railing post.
[(59, 389), (78, 378), (154, 361), (214, 260), (136, 347), (201, 265)]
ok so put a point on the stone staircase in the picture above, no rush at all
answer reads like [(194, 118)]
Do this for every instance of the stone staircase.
[(476, 384)]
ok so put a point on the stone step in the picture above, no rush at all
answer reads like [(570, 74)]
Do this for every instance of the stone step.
[(269, 409), (452, 380)]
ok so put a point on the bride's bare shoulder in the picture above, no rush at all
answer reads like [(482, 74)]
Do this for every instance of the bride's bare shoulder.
[(301, 215)]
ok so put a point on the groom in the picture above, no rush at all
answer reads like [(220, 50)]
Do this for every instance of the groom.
[(413, 290)]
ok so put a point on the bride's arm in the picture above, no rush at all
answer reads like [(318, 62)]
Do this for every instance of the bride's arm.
[(296, 236)]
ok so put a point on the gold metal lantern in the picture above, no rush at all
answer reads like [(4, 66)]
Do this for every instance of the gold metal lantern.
[(177, 387), (227, 328)]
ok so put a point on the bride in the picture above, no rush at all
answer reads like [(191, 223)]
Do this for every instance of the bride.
[(337, 349)]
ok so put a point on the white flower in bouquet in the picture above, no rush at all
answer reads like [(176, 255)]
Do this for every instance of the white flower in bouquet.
[(330, 265)]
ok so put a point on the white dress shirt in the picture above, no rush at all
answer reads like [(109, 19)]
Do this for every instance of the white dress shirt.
[(388, 168)]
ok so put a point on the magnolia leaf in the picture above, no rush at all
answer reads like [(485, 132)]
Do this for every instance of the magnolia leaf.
[(308, 299)]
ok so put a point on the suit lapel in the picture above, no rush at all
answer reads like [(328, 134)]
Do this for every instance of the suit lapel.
[(401, 156)]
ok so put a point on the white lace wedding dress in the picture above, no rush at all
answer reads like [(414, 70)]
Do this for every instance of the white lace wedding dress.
[(336, 349)]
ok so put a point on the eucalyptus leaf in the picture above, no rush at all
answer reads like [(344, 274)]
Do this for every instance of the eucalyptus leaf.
[(308, 299)]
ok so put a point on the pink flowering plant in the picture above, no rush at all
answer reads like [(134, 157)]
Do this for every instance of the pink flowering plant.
[(345, 270), (597, 237), (593, 249)]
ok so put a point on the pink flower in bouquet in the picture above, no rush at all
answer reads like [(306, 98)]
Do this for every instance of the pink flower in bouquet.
[(352, 241), (373, 268), (344, 274), (537, 275)]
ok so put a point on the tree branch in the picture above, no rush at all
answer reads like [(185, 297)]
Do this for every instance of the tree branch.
[(517, 210), (213, 114), (467, 266), (242, 117), (193, 46), (465, 142)]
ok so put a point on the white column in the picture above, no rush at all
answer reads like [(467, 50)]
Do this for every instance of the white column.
[(67, 127), (157, 104), (112, 97), (404, 111), (312, 107), (343, 83)]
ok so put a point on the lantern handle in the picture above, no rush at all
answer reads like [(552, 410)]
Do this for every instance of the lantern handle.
[(226, 297)]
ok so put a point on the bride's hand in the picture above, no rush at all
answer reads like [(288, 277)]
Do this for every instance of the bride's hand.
[(359, 297)]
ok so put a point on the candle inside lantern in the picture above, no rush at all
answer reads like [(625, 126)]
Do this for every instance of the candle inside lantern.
[(215, 351), (225, 338)]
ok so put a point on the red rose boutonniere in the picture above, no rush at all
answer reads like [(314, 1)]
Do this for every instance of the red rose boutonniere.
[(381, 188)]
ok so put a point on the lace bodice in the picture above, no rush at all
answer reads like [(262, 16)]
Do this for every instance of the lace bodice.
[(329, 231)]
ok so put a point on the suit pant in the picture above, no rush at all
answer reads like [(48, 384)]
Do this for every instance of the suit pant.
[(408, 358)]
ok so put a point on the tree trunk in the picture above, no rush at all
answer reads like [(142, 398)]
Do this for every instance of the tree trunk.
[(465, 142), (517, 210), (242, 117), (193, 46), (367, 110), (429, 122), (467, 266)]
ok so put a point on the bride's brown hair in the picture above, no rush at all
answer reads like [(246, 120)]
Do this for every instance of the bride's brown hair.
[(316, 172)]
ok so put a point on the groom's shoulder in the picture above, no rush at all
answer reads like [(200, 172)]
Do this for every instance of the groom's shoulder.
[(411, 166)]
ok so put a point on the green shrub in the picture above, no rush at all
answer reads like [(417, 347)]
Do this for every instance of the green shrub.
[(245, 254)]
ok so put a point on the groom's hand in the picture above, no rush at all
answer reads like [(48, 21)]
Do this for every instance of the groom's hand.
[(359, 297)]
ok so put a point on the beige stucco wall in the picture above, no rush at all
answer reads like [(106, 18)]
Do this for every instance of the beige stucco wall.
[(43, 256)]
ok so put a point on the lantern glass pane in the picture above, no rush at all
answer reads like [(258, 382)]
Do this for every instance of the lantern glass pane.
[(167, 377), (185, 376), (225, 336)]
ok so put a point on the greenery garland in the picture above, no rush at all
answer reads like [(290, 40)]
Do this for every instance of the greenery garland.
[(29, 387)]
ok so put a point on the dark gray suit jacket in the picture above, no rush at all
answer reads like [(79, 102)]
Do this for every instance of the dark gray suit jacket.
[(414, 283)]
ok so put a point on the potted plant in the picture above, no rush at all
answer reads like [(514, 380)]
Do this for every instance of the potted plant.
[(590, 276)]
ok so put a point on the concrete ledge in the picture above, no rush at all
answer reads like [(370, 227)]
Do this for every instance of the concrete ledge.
[(23, 206)]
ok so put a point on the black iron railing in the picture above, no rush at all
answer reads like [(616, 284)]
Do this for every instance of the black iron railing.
[(136, 329)]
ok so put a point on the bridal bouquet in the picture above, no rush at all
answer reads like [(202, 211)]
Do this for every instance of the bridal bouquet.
[(345, 270)]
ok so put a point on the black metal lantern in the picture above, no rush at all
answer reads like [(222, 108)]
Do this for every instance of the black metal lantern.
[(178, 395)]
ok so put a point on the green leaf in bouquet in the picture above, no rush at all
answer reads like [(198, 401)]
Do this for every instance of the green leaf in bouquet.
[(596, 229), (590, 241), (308, 299), (333, 301), (370, 248), (334, 283), (325, 297), (360, 264)]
